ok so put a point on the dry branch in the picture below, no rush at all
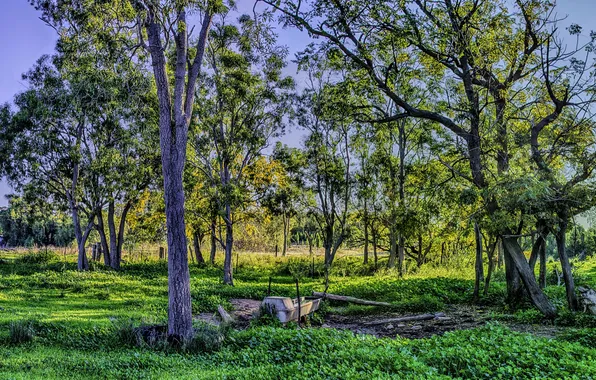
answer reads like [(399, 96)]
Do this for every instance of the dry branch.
[(359, 301), (420, 317)]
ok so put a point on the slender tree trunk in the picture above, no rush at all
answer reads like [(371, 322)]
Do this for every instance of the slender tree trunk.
[(285, 235), (365, 219), (197, 246), (500, 255), (213, 240), (375, 253), (402, 195), (542, 270), (537, 247), (537, 296), (107, 259), (565, 265), (125, 211), (491, 266), (114, 262), (400, 254), (479, 267), (228, 278), (392, 246)]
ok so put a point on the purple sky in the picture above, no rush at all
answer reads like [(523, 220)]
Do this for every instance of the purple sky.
[(24, 38)]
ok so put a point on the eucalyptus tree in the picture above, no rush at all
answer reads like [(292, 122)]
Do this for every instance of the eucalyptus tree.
[(328, 173), (48, 150), (135, 29), (283, 194), (243, 104)]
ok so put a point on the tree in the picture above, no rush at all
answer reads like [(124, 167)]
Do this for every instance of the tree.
[(243, 105), (471, 74), (115, 26), (328, 157), (282, 196)]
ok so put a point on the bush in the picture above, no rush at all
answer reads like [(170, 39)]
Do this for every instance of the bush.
[(207, 338), (21, 332), (41, 257)]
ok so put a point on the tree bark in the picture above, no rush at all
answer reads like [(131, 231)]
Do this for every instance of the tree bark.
[(121, 227), (515, 289), (365, 220), (197, 246), (113, 237), (491, 266), (392, 246), (107, 260), (228, 277), (542, 270), (285, 235), (213, 240), (479, 267), (537, 296), (174, 117), (565, 265)]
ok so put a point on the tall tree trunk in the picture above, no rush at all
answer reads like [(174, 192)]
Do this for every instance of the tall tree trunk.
[(564, 259), (542, 270), (197, 246), (402, 194), (175, 111), (179, 310), (107, 259), (537, 246), (309, 238), (114, 263), (500, 254), (121, 227), (365, 220), (285, 235), (515, 291), (213, 240), (517, 258), (228, 277), (479, 267), (392, 245), (491, 265), (400, 254)]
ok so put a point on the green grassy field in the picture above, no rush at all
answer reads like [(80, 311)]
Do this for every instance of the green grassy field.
[(56, 322)]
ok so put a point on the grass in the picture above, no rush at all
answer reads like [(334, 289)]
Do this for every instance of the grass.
[(56, 322)]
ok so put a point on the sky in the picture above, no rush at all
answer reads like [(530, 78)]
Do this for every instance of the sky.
[(24, 38)]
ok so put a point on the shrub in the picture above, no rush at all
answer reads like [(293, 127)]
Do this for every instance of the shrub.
[(207, 338), (41, 257), (21, 332)]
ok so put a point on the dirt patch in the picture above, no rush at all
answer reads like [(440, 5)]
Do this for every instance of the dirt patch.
[(243, 311), (455, 318)]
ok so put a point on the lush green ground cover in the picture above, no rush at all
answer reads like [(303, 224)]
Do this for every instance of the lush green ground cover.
[(56, 322)]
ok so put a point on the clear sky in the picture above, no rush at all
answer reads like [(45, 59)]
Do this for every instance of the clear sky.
[(24, 38)]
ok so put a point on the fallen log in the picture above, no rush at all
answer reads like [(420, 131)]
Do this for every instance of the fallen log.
[(410, 318), (225, 316), (358, 301)]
